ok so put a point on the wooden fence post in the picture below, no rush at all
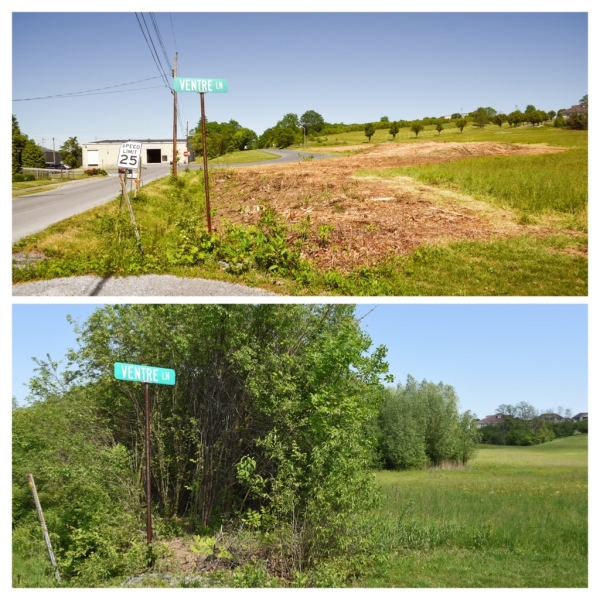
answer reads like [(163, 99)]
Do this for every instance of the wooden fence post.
[(38, 507)]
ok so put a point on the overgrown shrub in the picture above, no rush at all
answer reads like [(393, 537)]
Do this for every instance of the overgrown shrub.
[(85, 485), (18, 177), (265, 426)]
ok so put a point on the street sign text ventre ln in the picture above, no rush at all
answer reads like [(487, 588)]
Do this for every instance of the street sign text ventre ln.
[(144, 374), (197, 84)]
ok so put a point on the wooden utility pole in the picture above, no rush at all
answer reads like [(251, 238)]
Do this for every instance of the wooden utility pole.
[(175, 119), (38, 507), (148, 487)]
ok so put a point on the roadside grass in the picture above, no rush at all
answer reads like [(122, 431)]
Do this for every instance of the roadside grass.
[(31, 566), (515, 517), (102, 241), (24, 188), (242, 157)]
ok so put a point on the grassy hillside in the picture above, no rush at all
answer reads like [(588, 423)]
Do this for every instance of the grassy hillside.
[(516, 517)]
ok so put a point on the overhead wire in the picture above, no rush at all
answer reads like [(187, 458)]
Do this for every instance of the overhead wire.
[(95, 91), (152, 49), (156, 29)]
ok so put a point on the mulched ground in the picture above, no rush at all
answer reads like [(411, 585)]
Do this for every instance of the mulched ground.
[(344, 221)]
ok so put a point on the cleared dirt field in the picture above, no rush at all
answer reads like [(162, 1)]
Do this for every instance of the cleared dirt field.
[(345, 221)]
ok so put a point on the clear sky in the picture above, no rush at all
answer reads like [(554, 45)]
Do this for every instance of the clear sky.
[(491, 354), (349, 67)]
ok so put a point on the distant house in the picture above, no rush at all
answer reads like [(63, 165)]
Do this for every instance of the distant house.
[(576, 109), (580, 417), (552, 417), (492, 420), (51, 156)]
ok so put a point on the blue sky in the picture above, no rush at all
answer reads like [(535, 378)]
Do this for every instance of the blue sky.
[(492, 354), (349, 67)]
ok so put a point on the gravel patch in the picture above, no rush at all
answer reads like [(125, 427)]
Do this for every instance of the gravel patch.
[(143, 285)]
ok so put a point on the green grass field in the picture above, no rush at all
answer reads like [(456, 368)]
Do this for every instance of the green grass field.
[(516, 517), (242, 157)]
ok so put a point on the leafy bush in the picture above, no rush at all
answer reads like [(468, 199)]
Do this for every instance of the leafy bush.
[(18, 177), (95, 171), (85, 485)]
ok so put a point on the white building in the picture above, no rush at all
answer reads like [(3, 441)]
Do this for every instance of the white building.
[(103, 154)]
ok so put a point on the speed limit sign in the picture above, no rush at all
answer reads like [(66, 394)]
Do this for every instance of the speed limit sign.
[(130, 154)]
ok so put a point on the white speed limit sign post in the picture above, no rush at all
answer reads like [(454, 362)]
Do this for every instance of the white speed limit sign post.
[(130, 156)]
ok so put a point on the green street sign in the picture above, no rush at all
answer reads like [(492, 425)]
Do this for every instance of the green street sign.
[(196, 84), (144, 374)]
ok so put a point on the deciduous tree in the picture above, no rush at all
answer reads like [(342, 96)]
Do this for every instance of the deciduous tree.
[(312, 121), (70, 152), (416, 128), (461, 124)]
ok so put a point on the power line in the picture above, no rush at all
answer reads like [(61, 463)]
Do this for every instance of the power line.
[(93, 91), (173, 32), (156, 29), (152, 49)]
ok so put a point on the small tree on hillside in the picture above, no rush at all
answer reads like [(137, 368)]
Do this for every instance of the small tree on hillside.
[(439, 128), (481, 117), (394, 129), (416, 128), (384, 120), (461, 124), (369, 130), (499, 120)]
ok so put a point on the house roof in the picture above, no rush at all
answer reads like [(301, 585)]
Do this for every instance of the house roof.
[(581, 416), (490, 419), (576, 108)]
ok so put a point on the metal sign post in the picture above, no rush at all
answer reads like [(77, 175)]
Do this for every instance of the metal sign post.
[(201, 86), (146, 375), (205, 157)]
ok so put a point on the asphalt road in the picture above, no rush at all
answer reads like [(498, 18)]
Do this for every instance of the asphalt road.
[(143, 285), (35, 212)]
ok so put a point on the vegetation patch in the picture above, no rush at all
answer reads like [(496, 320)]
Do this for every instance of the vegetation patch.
[(316, 228)]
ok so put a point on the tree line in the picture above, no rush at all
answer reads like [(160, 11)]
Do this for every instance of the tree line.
[(524, 425), (26, 153)]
